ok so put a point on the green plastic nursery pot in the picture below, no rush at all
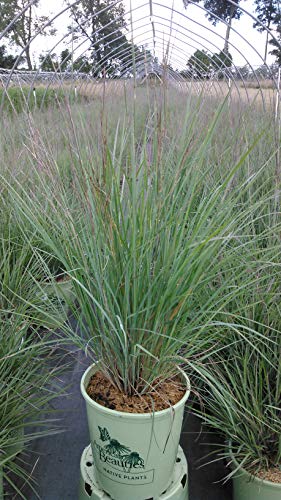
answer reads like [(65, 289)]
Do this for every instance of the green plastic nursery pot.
[(134, 454), (249, 487)]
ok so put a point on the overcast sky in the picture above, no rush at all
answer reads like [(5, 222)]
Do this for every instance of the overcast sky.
[(190, 30)]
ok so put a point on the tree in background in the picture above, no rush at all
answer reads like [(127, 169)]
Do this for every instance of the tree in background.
[(26, 27), (267, 14), (221, 62), (200, 64), (49, 62), (82, 64), (65, 60), (7, 61), (104, 29), (217, 10), (277, 44)]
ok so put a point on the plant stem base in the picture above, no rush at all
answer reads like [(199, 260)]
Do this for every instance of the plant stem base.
[(89, 488)]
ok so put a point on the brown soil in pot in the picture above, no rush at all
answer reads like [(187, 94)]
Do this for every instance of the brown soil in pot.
[(104, 393), (273, 475)]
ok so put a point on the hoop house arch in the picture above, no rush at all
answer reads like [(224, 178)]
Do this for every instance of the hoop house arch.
[(154, 30)]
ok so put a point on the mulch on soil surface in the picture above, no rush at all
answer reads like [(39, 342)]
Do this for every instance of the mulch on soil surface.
[(166, 394), (273, 475)]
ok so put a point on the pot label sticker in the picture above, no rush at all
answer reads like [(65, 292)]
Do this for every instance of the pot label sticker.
[(119, 463)]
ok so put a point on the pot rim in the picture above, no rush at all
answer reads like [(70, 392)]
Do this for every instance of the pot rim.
[(127, 414), (252, 477)]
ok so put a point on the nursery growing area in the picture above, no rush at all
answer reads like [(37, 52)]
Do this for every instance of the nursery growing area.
[(139, 282)]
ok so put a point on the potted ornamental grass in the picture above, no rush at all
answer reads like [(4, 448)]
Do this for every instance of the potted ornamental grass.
[(28, 382), (28, 364), (138, 285), (133, 279), (28, 275), (141, 234), (242, 397), (244, 405), (135, 283)]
